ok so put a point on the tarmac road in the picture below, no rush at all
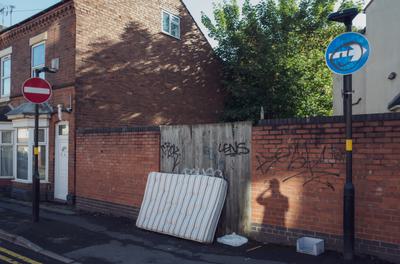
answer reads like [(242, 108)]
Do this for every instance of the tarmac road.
[(12, 254)]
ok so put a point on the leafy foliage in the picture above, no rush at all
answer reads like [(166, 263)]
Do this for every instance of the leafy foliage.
[(273, 55)]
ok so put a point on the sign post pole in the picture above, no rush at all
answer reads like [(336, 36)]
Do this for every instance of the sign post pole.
[(36, 176), (345, 55), (36, 91), (349, 190)]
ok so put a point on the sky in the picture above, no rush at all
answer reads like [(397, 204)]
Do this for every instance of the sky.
[(23, 9), (26, 8)]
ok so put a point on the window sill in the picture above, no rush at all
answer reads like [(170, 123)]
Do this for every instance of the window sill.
[(29, 182), (170, 35), (21, 181), (6, 177), (4, 99)]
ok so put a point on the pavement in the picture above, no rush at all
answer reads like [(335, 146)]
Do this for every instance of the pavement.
[(64, 235)]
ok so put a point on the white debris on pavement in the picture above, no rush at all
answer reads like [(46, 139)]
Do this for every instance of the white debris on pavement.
[(233, 240)]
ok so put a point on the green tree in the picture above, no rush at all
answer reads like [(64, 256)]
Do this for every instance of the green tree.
[(273, 56)]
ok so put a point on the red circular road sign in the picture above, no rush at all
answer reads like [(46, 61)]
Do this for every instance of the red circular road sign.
[(36, 90)]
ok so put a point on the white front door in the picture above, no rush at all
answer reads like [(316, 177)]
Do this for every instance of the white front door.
[(61, 162)]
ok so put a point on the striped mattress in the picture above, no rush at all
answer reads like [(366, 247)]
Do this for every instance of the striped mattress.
[(185, 206)]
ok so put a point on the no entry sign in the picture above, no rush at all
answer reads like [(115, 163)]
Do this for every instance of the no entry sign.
[(36, 90)]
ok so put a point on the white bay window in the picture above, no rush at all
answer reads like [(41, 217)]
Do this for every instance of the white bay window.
[(23, 139), (24, 154), (6, 154)]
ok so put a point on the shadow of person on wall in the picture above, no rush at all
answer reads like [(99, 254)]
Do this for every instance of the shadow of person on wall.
[(275, 205)]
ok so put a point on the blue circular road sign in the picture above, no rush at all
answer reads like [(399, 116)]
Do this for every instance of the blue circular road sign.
[(347, 53)]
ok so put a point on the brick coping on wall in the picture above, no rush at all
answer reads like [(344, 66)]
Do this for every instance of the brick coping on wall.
[(264, 122), (108, 130), (328, 119)]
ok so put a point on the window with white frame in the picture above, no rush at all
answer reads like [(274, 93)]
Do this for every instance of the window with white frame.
[(25, 157), (5, 76), (171, 24), (38, 55), (6, 153), (22, 154)]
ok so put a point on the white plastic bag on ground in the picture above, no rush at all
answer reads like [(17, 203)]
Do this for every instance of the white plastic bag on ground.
[(233, 240)]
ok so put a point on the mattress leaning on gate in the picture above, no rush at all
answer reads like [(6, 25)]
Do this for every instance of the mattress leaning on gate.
[(185, 206)]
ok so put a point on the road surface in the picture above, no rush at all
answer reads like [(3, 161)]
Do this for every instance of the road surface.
[(12, 254)]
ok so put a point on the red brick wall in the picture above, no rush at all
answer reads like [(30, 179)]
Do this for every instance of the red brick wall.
[(23, 191), (4, 186), (298, 173), (129, 73), (112, 167), (59, 24)]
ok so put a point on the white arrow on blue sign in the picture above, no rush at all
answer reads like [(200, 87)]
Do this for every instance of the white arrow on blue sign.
[(347, 53)]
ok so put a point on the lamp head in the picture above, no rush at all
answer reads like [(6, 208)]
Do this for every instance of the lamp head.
[(344, 16), (50, 70)]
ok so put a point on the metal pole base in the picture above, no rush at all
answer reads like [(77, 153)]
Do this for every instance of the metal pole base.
[(348, 223), (35, 198)]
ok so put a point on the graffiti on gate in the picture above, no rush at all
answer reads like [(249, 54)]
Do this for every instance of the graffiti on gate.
[(206, 172), (171, 151), (234, 149), (212, 156), (302, 160)]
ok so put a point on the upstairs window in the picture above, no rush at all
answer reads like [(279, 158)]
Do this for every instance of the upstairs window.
[(171, 24), (5, 76), (38, 58)]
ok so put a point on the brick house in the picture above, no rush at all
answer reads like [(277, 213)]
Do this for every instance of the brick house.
[(120, 63)]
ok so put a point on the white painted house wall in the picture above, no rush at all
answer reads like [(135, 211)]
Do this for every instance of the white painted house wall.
[(371, 84)]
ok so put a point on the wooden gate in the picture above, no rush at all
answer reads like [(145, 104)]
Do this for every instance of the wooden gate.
[(213, 149)]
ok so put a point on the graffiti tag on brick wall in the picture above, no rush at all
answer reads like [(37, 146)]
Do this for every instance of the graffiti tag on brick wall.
[(171, 151), (303, 162), (234, 149)]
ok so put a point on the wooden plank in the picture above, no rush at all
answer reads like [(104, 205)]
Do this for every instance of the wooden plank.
[(224, 147)]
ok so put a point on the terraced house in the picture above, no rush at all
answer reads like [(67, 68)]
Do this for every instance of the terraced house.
[(120, 64)]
